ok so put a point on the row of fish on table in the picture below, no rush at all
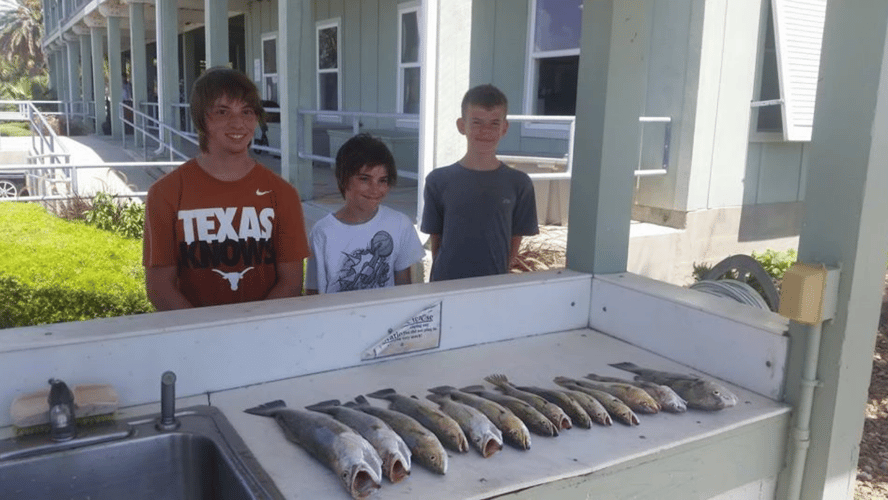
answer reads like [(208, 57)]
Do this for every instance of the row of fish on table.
[(361, 442)]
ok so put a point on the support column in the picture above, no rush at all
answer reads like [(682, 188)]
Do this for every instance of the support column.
[(115, 79), (168, 66), (216, 32), (611, 81), (845, 225), (138, 60), (296, 68), (445, 79), (86, 74), (72, 49), (97, 41)]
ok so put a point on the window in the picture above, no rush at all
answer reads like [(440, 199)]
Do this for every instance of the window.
[(553, 58), (409, 67), (328, 65), (269, 68), (790, 65)]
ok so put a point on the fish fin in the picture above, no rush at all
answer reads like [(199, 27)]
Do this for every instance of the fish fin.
[(626, 366), (324, 404), (267, 409), (359, 402), (443, 390), (473, 388), (563, 380), (436, 398), (497, 379), (383, 394)]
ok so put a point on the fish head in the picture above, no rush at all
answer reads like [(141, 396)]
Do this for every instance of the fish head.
[(520, 437), (358, 465), (432, 459), (395, 467), (488, 443), (709, 396)]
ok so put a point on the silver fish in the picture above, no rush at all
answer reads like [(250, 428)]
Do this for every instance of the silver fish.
[(481, 432), (700, 393), (613, 404), (533, 419), (513, 429), (577, 413), (552, 411), (668, 399), (433, 419), (332, 443), (392, 449), (635, 397), (426, 449)]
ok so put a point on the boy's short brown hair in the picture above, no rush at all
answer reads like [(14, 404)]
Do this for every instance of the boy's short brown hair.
[(217, 82), (358, 152), (487, 96)]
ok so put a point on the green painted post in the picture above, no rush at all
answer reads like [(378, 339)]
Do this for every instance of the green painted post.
[(845, 224)]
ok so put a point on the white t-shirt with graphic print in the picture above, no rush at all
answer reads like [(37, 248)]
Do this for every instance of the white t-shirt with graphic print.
[(348, 257)]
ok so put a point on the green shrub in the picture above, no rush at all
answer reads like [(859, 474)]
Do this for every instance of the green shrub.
[(775, 262), (126, 219), (52, 270), (14, 129)]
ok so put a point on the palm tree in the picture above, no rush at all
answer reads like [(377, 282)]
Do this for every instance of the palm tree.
[(21, 30)]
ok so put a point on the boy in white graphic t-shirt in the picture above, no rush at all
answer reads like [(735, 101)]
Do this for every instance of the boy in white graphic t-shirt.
[(363, 245)]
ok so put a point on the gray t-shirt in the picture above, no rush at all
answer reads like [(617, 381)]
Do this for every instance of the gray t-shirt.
[(477, 213)]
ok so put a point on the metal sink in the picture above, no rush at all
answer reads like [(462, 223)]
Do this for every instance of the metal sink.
[(203, 458)]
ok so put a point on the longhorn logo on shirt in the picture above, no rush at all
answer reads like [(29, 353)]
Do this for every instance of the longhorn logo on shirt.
[(233, 278), (233, 236)]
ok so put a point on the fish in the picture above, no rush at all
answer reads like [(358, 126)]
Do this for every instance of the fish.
[(699, 393), (635, 397), (668, 399), (433, 419), (484, 436), (552, 411), (332, 443), (611, 403), (578, 415), (426, 448), (513, 429), (534, 420), (592, 406), (392, 449)]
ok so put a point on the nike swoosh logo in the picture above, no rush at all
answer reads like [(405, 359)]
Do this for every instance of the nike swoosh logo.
[(260, 193)]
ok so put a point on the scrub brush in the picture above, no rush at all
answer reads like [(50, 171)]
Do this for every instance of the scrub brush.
[(93, 404)]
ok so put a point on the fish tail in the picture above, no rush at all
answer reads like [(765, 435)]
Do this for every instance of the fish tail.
[(323, 404), (497, 379), (267, 409), (626, 366), (383, 394), (473, 388), (443, 390)]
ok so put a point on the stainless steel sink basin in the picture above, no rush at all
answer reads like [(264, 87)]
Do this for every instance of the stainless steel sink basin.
[(203, 458)]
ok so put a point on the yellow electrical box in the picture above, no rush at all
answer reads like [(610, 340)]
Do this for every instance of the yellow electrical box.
[(802, 293)]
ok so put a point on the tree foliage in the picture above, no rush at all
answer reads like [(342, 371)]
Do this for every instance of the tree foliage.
[(21, 31)]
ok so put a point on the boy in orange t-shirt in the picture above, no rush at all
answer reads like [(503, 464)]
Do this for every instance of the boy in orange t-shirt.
[(222, 228)]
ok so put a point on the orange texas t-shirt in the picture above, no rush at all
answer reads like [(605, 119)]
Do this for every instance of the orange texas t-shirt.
[(225, 238)]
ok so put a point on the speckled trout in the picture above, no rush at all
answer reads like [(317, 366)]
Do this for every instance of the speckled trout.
[(332, 443), (534, 420), (513, 429), (578, 415), (700, 393), (552, 411), (433, 419), (392, 449), (668, 399), (635, 397), (427, 450), (613, 404), (483, 435)]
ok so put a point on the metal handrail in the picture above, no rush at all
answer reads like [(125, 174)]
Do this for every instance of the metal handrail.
[(148, 125)]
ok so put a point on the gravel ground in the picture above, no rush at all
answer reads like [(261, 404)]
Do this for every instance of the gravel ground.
[(872, 467)]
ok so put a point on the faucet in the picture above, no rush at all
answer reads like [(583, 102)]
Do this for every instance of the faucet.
[(61, 411), (167, 420)]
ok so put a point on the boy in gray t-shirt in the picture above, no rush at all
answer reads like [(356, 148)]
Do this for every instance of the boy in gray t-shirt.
[(478, 209)]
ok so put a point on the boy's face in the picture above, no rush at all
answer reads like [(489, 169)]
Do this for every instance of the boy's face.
[(365, 190), (230, 125), (483, 127)]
